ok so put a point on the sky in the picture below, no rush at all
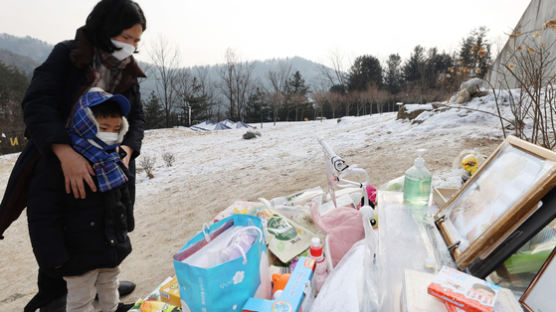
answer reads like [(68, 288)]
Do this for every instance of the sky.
[(318, 30)]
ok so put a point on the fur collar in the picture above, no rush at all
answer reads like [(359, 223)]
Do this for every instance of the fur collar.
[(123, 129)]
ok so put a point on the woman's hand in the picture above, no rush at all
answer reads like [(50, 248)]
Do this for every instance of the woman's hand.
[(76, 169), (127, 158)]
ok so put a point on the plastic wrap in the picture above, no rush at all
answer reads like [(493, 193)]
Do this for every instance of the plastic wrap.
[(408, 239), (344, 287), (371, 284)]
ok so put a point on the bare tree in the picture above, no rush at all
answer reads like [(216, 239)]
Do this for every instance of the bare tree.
[(208, 87), (320, 98), (243, 86), (335, 100), (227, 74), (166, 62), (530, 65), (338, 76), (196, 94), (279, 83), (184, 88), (236, 83)]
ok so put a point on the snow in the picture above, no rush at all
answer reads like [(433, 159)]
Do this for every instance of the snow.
[(206, 152), (209, 125), (413, 107), (290, 142)]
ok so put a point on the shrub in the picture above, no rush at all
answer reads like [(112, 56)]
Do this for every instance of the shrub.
[(147, 163), (169, 159)]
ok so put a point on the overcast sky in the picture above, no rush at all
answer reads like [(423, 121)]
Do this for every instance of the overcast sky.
[(262, 29)]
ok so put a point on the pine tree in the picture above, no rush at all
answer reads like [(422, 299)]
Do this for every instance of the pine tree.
[(414, 67), (154, 114), (258, 109), (435, 65), (393, 78), (200, 101), (365, 71), (297, 91), (474, 54), (482, 53), (13, 84)]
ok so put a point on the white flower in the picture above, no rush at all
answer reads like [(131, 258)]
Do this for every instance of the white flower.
[(238, 277)]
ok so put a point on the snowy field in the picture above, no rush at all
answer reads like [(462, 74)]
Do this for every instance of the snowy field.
[(212, 169)]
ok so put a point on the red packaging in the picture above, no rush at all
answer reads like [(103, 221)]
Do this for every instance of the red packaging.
[(463, 292)]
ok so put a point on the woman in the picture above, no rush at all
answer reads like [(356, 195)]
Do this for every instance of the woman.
[(99, 56)]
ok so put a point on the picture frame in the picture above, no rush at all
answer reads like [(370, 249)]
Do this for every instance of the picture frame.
[(539, 295), (503, 193)]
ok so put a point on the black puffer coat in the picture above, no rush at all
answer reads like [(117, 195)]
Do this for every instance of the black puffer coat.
[(55, 87), (78, 234), (95, 230)]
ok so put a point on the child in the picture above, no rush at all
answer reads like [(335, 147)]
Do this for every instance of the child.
[(93, 230)]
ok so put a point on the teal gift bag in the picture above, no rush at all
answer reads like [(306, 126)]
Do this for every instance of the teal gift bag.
[(226, 285)]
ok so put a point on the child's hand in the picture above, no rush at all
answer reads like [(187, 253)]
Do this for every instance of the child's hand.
[(76, 169)]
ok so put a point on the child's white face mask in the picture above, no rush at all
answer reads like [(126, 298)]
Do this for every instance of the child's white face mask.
[(110, 138), (125, 51)]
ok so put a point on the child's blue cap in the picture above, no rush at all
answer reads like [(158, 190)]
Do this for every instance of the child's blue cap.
[(97, 96)]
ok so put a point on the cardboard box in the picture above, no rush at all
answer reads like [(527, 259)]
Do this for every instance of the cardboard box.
[(415, 297), (170, 292), (442, 195)]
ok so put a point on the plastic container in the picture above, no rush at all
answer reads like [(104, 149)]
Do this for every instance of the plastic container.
[(321, 267), (417, 183)]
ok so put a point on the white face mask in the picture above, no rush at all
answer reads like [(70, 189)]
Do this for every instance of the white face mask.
[(110, 138), (125, 51)]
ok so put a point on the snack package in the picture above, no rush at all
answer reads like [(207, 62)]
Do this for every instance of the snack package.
[(153, 303), (506, 302), (464, 291), (286, 239), (170, 292)]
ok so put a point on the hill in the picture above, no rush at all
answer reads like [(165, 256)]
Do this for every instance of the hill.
[(311, 71), (21, 62), (25, 53), (33, 48)]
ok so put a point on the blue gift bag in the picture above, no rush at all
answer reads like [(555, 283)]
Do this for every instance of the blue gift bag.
[(226, 286)]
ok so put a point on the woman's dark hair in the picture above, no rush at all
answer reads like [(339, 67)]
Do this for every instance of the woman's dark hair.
[(109, 18), (107, 109)]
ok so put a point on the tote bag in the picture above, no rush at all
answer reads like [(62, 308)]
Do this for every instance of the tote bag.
[(225, 286)]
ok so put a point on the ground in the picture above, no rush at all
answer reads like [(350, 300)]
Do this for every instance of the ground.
[(213, 169)]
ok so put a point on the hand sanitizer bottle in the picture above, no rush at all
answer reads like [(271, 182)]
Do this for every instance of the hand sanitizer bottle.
[(417, 183)]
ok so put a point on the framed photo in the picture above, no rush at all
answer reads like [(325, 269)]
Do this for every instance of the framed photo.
[(539, 296), (496, 200)]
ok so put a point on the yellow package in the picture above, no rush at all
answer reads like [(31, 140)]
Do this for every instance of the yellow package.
[(170, 292)]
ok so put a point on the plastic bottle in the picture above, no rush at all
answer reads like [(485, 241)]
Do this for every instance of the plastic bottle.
[(321, 268), (417, 183)]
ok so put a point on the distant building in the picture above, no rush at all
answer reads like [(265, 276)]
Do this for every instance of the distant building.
[(536, 27)]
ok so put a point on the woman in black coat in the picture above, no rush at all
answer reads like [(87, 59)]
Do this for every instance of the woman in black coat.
[(99, 56)]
